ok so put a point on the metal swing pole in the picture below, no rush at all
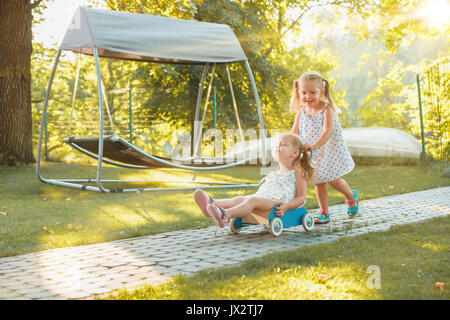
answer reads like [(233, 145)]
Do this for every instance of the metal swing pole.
[(255, 92), (215, 122), (44, 118), (198, 131), (107, 108), (74, 94), (209, 92), (58, 182), (198, 142), (234, 103), (262, 131), (46, 138), (421, 113), (131, 113), (100, 109)]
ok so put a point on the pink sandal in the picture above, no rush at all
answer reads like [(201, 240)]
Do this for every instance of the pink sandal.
[(202, 200), (218, 215)]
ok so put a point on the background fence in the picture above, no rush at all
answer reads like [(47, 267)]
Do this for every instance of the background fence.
[(434, 93)]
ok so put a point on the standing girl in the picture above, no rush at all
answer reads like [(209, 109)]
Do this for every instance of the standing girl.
[(285, 187), (318, 127)]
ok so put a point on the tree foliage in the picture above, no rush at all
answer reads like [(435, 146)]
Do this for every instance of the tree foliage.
[(386, 105), (397, 22), (164, 95), (261, 27), (435, 86)]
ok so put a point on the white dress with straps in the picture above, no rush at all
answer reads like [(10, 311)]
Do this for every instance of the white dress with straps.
[(278, 186), (332, 160)]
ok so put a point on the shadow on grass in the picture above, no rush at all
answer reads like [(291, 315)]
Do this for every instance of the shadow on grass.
[(78, 217), (339, 270)]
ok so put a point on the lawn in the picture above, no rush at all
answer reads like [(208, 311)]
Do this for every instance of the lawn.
[(405, 262), (36, 216)]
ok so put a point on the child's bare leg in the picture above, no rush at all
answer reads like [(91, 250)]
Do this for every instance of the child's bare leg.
[(250, 204), (322, 196), (229, 203), (341, 185)]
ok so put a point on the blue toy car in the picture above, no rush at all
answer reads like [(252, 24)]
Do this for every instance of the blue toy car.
[(291, 218)]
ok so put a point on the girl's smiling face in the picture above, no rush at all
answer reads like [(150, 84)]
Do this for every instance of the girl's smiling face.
[(310, 93)]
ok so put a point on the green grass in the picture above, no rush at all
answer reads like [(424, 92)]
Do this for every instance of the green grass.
[(411, 260), (74, 217)]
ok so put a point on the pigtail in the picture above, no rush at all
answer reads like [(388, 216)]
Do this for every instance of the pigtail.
[(295, 98), (326, 86), (307, 168), (302, 161)]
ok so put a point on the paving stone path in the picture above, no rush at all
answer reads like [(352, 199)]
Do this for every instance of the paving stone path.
[(85, 271)]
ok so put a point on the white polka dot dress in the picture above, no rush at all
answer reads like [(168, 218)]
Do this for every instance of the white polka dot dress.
[(332, 160)]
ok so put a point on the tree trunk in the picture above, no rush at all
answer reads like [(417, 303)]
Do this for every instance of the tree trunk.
[(16, 144)]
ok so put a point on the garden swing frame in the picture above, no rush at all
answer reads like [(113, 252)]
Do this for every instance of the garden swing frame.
[(84, 18)]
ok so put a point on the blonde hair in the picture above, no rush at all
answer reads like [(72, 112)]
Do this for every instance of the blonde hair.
[(322, 84), (303, 161)]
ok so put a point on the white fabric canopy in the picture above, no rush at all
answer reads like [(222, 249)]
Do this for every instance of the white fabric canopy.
[(382, 142), (142, 37), (361, 142)]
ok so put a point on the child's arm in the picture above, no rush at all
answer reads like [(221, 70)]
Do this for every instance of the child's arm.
[(326, 130), (301, 186)]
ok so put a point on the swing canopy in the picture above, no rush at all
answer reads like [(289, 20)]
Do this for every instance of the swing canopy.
[(140, 37)]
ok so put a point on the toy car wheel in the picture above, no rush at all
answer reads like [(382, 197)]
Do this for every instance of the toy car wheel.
[(308, 222), (233, 227), (276, 227)]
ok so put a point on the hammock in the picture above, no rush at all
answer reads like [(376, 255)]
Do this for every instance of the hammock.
[(124, 154)]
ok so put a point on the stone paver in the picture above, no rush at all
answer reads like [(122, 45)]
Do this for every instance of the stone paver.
[(84, 271)]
